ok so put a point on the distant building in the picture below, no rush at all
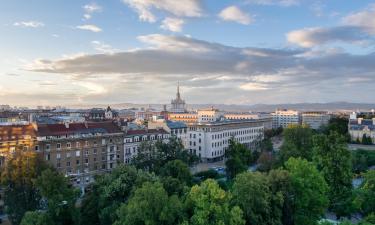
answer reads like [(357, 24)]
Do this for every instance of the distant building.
[(99, 114), (210, 140), (315, 119), (134, 138), (358, 127), (175, 128), (284, 118), (178, 105), (188, 117), (265, 117)]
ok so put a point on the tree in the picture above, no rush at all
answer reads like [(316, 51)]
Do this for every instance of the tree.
[(366, 140), (265, 162), (339, 125), (151, 205), (60, 197), (175, 177), (251, 193), (281, 203), (153, 156), (365, 199), (309, 191), (17, 177), (239, 158), (208, 204), (297, 143), (109, 191), (333, 158), (36, 218)]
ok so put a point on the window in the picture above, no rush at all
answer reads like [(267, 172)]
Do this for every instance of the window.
[(77, 161), (86, 143), (78, 153), (48, 147), (36, 147), (68, 155), (68, 145), (58, 146), (95, 150), (48, 157), (86, 152), (68, 163), (78, 144), (103, 141), (58, 156)]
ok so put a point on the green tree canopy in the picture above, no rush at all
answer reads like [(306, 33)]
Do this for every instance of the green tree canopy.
[(297, 143), (309, 191), (36, 218), (365, 199), (150, 205), (239, 158), (208, 204), (251, 193), (333, 158), (17, 177)]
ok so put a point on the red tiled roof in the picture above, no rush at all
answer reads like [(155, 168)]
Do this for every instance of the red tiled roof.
[(16, 132), (76, 128)]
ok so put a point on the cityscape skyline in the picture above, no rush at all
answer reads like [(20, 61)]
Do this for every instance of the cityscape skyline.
[(229, 52)]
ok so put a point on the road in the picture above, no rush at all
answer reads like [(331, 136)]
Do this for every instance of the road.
[(357, 146)]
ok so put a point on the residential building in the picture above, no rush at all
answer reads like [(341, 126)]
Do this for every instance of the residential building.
[(81, 150), (284, 118), (175, 128), (188, 117), (315, 119), (209, 115), (134, 138), (265, 117)]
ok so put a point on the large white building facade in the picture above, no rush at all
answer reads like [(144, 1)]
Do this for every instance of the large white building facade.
[(358, 127), (284, 118), (210, 140), (315, 119)]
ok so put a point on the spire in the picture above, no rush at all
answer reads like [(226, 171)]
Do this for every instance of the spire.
[(178, 90)]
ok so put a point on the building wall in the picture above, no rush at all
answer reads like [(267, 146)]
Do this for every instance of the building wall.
[(210, 141), (315, 119), (284, 118)]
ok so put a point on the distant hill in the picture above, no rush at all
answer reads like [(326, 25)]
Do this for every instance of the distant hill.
[(332, 106)]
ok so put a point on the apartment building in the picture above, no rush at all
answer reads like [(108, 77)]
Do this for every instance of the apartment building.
[(81, 150), (134, 138)]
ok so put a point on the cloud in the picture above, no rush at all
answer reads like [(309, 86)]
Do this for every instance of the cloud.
[(234, 74), (356, 28), (181, 8), (310, 37), (32, 24), (284, 3), (233, 13), (103, 48), (172, 24), (364, 19), (91, 9), (89, 27)]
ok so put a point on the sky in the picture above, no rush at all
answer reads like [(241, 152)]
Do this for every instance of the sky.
[(78, 52)]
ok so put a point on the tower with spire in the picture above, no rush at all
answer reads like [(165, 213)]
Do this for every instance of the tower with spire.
[(178, 104)]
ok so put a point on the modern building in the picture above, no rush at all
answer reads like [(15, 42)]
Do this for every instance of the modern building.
[(284, 118), (178, 104), (266, 118), (134, 138), (210, 140), (358, 127), (315, 119), (81, 150)]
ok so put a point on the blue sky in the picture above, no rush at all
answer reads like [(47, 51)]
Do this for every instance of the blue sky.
[(221, 51)]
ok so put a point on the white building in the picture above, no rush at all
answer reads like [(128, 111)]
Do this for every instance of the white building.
[(315, 119), (134, 138), (359, 127), (265, 117), (209, 115), (284, 118), (210, 140)]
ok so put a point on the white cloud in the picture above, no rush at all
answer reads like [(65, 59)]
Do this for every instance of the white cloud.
[(172, 24), (103, 48), (364, 19), (253, 86), (89, 27), (356, 28), (32, 24), (181, 8), (233, 13), (285, 3), (91, 9)]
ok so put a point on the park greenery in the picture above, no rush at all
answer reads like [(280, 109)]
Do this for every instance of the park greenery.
[(310, 175)]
